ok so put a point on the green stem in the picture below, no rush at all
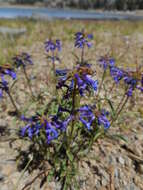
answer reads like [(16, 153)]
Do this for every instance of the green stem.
[(82, 55), (120, 110), (13, 102), (53, 63), (73, 111), (28, 82), (27, 165), (102, 80), (122, 99), (54, 76)]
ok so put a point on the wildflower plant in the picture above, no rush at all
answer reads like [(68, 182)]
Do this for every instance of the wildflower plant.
[(61, 137), (23, 60), (7, 72), (52, 48)]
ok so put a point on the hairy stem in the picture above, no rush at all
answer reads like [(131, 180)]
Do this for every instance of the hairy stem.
[(82, 55), (120, 110), (28, 82), (13, 102), (120, 103), (102, 80)]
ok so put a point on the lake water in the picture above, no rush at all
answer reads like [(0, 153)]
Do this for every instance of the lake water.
[(12, 12)]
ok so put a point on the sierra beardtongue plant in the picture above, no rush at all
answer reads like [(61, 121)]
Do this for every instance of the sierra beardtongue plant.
[(52, 48), (7, 71), (63, 134), (22, 61)]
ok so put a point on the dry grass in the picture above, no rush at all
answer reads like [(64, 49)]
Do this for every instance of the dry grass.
[(123, 40)]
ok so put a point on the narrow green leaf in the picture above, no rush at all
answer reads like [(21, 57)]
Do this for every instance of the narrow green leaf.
[(98, 134), (119, 137), (70, 155)]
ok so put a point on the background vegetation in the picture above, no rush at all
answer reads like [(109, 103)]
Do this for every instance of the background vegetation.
[(86, 4)]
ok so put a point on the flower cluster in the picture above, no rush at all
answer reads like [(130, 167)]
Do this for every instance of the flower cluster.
[(5, 71), (66, 127), (106, 62), (37, 125), (22, 60), (81, 40), (102, 119), (51, 46), (80, 76), (88, 116), (131, 79)]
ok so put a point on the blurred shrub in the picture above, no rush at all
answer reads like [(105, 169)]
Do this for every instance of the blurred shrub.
[(88, 4)]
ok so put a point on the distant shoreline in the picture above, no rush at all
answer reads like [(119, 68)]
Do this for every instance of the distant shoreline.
[(41, 13), (36, 6)]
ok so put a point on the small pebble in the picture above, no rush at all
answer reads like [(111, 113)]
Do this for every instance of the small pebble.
[(121, 160)]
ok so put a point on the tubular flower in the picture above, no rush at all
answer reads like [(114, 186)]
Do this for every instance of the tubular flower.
[(84, 82), (133, 80), (86, 116), (7, 70), (102, 119), (106, 62), (51, 46), (61, 124), (119, 74), (3, 86), (22, 59), (35, 125), (81, 40), (4, 83), (81, 77), (116, 73), (51, 132)]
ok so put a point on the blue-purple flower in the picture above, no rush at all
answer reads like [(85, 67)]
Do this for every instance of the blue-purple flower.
[(51, 46), (61, 72), (37, 125), (3, 82), (86, 116), (102, 119), (84, 82), (116, 73), (106, 62), (23, 60), (81, 40), (130, 80), (81, 77), (51, 132), (61, 124)]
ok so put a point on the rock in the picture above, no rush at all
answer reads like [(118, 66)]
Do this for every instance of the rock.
[(5, 187), (104, 182), (98, 185), (1, 177), (3, 123), (140, 137), (133, 187), (140, 168), (128, 162), (137, 149), (2, 151), (112, 160), (14, 177), (121, 160), (138, 182), (8, 169), (116, 173)]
